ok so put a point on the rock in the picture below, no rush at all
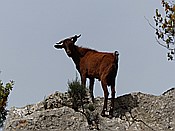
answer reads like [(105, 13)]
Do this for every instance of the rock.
[(133, 112)]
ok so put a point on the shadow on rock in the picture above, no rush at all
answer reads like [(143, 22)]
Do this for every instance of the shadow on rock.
[(124, 104)]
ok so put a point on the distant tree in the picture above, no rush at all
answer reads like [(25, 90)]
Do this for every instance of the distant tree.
[(4, 93), (165, 27), (78, 93)]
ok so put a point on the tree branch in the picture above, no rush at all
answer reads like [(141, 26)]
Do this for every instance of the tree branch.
[(161, 44), (150, 23)]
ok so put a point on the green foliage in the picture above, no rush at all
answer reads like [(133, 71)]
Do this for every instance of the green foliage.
[(4, 93), (91, 107), (165, 27), (78, 93)]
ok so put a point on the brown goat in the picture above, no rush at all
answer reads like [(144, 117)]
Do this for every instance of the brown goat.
[(93, 64)]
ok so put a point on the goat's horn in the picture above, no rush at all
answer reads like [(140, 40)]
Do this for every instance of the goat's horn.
[(75, 37), (78, 35), (59, 42)]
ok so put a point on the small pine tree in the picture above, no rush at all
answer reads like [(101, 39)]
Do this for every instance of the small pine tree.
[(4, 93), (77, 92)]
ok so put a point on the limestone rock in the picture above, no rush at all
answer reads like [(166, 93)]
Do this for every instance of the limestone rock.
[(133, 112)]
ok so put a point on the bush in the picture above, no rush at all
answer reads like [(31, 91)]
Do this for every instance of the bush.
[(78, 93), (165, 27), (4, 93)]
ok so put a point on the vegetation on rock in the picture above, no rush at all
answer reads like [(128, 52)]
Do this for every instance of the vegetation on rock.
[(78, 93), (165, 27), (4, 93)]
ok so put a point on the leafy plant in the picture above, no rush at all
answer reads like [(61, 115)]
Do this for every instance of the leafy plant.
[(78, 93), (4, 93), (165, 27)]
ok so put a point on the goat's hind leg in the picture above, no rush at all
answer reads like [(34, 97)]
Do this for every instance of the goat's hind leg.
[(105, 90), (112, 98)]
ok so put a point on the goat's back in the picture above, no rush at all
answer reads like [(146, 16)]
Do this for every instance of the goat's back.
[(99, 65)]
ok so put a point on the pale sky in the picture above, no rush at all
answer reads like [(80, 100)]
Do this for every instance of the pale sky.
[(30, 28)]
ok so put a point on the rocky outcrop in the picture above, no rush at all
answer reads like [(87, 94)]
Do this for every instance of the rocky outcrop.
[(133, 112)]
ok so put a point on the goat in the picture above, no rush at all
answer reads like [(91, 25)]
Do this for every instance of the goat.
[(93, 64)]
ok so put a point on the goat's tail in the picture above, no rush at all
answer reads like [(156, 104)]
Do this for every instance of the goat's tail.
[(116, 54)]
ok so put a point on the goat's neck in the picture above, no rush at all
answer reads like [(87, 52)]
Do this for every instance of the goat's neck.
[(79, 52)]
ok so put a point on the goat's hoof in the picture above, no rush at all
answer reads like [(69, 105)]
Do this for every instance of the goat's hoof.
[(103, 113), (111, 112)]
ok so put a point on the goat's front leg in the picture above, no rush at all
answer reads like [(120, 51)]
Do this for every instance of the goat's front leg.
[(83, 80), (91, 88)]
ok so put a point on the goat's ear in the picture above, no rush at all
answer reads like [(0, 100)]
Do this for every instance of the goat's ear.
[(74, 39), (58, 46)]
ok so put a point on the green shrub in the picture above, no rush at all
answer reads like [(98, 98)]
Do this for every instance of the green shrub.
[(4, 93), (78, 93), (91, 107)]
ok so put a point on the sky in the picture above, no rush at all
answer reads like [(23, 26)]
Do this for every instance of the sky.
[(29, 29)]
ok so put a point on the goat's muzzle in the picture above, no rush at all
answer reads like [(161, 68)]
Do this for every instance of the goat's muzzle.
[(69, 53)]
